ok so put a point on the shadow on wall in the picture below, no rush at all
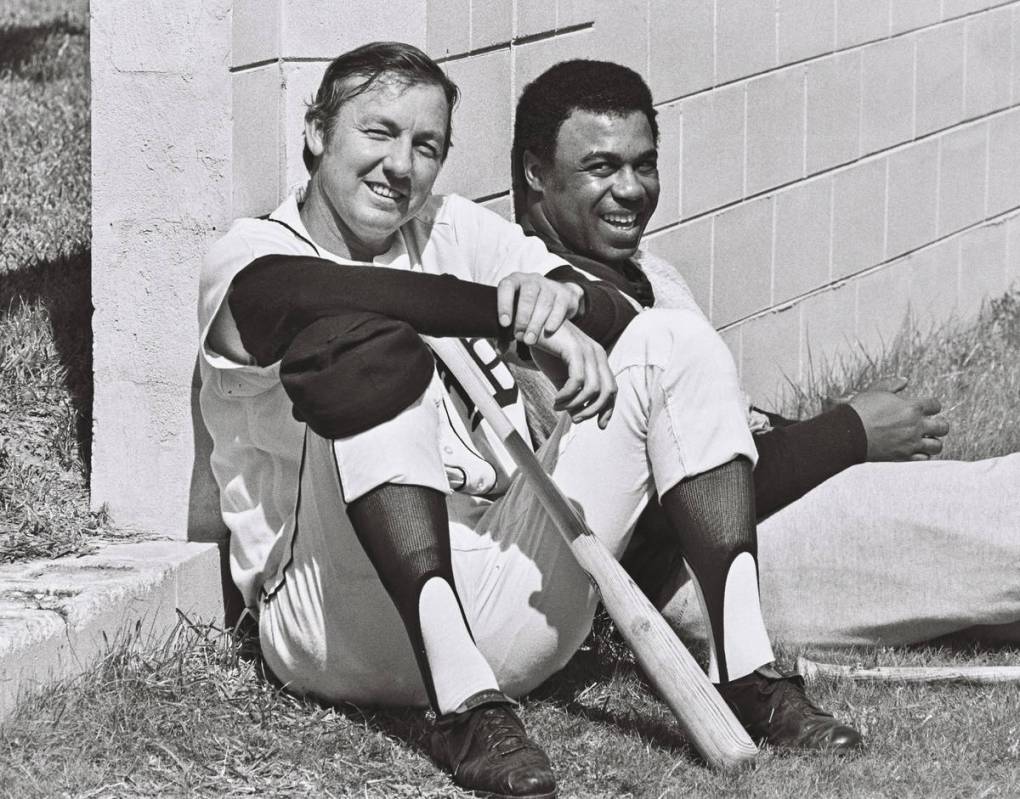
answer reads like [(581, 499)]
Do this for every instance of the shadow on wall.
[(63, 287)]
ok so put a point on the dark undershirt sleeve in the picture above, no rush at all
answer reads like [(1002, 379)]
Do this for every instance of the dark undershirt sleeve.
[(606, 312), (794, 458), (275, 297)]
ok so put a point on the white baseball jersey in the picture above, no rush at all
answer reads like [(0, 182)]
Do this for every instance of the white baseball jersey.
[(257, 443)]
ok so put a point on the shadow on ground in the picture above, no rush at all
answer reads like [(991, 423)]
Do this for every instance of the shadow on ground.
[(21, 46), (63, 287)]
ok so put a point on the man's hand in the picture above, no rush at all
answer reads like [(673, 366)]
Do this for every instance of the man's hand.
[(580, 369), (542, 305), (899, 428)]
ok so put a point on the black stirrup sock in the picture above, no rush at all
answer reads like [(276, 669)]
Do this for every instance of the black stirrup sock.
[(713, 513), (404, 530)]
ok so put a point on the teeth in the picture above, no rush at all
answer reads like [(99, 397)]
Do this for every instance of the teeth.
[(384, 191), (623, 220)]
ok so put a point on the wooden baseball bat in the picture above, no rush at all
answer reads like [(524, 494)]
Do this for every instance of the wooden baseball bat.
[(703, 714), (913, 674)]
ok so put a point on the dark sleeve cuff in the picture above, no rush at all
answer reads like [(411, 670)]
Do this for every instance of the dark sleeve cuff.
[(795, 458), (605, 312)]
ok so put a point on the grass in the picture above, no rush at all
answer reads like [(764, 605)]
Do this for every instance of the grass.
[(45, 304), (194, 716)]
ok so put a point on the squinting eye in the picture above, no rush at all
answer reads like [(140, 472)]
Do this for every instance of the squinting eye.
[(428, 150), (378, 133), (601, 170), (648, 168)]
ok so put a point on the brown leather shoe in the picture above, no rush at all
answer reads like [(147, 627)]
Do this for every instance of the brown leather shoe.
[(488, 753), (775, 710)]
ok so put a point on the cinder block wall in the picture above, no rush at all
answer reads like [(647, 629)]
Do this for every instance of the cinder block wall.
[(826, 164)]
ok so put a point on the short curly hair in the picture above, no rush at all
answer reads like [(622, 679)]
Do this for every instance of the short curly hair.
[(601, 87), (372, 62)]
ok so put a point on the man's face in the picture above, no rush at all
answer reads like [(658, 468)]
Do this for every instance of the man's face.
[(379, 163), (603, 183)]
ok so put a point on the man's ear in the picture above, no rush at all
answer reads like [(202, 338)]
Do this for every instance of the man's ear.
[(314, 137), (533, 172)]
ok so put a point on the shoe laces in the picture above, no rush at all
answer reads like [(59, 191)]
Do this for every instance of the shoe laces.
[(502, 736), (789, 692)]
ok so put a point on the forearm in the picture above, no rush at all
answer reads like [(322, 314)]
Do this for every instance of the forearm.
[(797, 457), (277, 296)]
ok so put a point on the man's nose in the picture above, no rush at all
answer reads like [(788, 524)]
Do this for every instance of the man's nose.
[(627, 186), (398, 159)]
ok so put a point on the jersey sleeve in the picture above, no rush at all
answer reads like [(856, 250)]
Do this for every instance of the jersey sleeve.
[(228, 256)]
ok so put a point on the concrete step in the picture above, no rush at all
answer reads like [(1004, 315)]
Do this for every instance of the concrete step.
[(58, 616)]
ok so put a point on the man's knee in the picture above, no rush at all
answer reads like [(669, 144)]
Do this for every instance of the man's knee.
[(349, 373), (675, 337)]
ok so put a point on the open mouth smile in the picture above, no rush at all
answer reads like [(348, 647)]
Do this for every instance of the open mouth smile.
[(382, 190), (621, 221)]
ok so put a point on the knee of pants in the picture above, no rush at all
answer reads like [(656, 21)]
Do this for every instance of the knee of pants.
[(348, 373), (675, 339)]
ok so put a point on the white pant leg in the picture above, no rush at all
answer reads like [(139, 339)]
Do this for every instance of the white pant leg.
[(679, 412), (890, 553)]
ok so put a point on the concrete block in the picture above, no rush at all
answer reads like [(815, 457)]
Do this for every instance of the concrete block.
[(324, 28), (828, 338), (745, 38), (30, 643), (713, 149), (805, 28), (161, 191), (57, 617), (688, 247), (574, 12), (803, 238), (1003, 163), (731, 337), (492, 23), (621, 33), (502, 205), (833, 111), (534, 17), (668, 210), (770, 356), (912, 15), (883, 307), (938, 98), (479, 163), (742, 260), (447, 27), (860, 21), (858, 222), (962, 177), (887, 87), (143, 455), (681, 47), (1015, 96), (775, 130), (531, 59), (957, 8), (300, 80), (257, 101), (934, 283), (1013, 251), (989, 56), (913, 197), (983, 252), (255, 29)]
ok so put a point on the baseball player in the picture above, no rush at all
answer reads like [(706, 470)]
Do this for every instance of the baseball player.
[(889, 553), (380, 533)]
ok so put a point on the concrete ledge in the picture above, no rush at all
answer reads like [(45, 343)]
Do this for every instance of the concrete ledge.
[(57, 617)]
